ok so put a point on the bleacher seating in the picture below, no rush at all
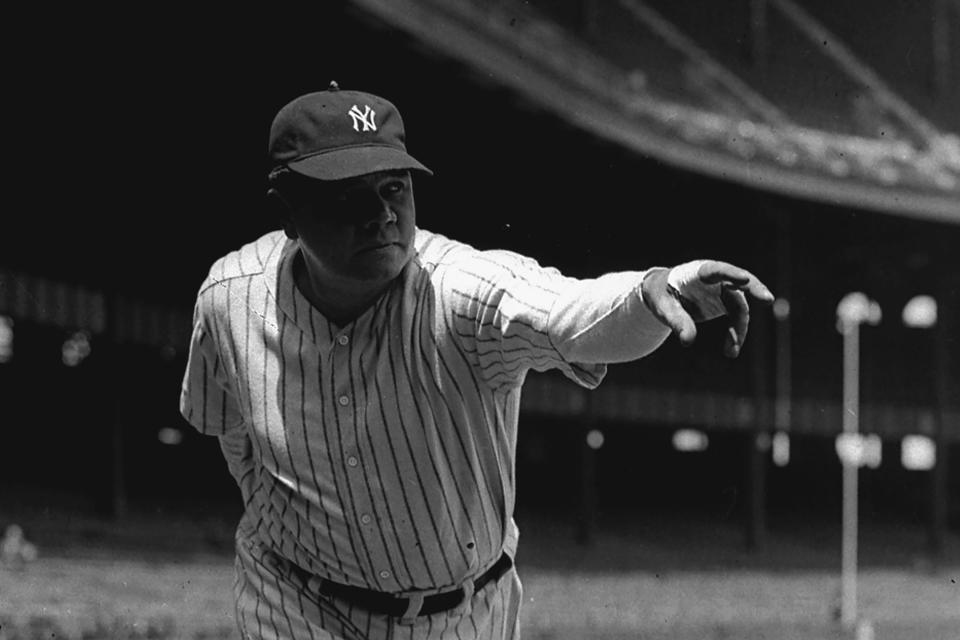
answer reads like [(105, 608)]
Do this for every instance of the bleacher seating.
[(686, 78)]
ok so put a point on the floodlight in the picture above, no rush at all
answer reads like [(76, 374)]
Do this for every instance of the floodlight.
[(6, 339), (781, 449), (690, 440), (918, 453), (920, 312), (170, 436), (595, 439)]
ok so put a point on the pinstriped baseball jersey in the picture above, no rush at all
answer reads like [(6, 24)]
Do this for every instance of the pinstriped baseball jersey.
[(381, 454)]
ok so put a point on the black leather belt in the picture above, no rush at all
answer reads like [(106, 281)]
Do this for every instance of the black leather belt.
[(407, 607)]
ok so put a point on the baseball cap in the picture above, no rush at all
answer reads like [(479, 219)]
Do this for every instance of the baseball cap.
[(334, 134)]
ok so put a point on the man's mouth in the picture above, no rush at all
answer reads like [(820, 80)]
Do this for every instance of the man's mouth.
[(379, 246)]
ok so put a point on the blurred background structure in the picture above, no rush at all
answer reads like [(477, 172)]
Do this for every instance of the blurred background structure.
[(817, 145)]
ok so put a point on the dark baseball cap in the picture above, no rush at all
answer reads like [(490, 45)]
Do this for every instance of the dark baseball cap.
[(334, 134)]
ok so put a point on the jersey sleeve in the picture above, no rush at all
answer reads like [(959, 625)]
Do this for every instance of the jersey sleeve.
[(207, 400), (499, 304), (605, 320), (513, 315)]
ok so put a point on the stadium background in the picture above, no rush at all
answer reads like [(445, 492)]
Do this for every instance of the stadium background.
[(140, 159)]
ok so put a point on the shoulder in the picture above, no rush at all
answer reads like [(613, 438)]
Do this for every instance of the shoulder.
[(434, 249), (462, 264), (248, 261)]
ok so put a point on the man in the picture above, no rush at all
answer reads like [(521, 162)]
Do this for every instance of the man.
[(364, 377)]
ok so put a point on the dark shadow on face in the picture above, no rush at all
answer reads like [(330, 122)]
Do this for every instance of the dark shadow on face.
[(357, 230)]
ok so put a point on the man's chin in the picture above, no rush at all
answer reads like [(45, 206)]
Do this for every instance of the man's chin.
[(381, 264)]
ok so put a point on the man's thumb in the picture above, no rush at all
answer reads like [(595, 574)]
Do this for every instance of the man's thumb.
[(680, 322)]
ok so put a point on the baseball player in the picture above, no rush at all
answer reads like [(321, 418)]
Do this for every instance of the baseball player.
[(363, 377)]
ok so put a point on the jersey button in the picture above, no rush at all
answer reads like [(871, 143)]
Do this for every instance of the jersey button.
[(365, 518), (352, 461), (343, 340), (343, 400), (384, 574)]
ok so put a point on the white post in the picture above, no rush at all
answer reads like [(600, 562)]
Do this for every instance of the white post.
[(851, 425), (853, 310)]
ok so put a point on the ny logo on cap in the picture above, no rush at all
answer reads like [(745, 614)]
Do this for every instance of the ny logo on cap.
[(366, 117)]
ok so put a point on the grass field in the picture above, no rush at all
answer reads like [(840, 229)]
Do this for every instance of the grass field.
[(156, 577)]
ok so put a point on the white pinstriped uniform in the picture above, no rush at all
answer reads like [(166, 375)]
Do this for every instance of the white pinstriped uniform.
[(381, 454)]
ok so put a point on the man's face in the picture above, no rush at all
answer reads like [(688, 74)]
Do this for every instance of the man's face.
[(359, 229)]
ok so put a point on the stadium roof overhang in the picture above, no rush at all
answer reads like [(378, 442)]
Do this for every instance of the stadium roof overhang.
[(796, 162)]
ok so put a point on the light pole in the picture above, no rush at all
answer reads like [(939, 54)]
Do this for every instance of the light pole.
[(854, 309), (926, 454), (783, 377)]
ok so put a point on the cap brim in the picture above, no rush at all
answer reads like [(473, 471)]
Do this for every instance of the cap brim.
[(356, 161)]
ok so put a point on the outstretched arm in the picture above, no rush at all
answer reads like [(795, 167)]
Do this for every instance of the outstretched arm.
[(513, 315), (624, 316)]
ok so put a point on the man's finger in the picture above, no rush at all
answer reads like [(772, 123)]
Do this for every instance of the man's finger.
[(738, 312), (714, 271), (758, 291)]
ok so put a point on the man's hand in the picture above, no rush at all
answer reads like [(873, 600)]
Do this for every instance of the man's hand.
[(703, 290)]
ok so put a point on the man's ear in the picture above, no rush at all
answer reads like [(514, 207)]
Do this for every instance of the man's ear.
[(281, 209)]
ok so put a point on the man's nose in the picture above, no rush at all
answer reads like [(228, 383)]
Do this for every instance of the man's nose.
[(379, 213)]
